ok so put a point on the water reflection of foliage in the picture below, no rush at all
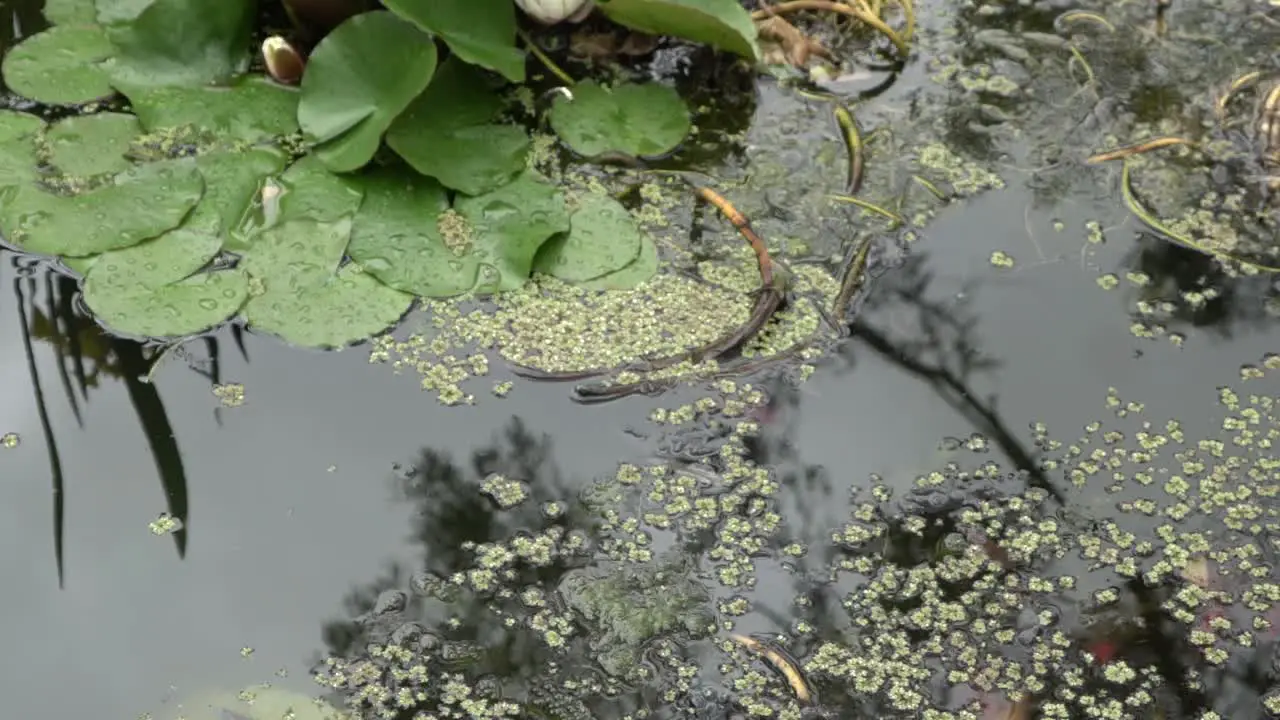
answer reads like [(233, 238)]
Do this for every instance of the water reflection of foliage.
[(1224, 301), (458, 629), (976, 562), (84, 355)]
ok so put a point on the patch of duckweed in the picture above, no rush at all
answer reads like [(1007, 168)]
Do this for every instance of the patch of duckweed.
[(165, 524), (556, 327), (1128, 574)]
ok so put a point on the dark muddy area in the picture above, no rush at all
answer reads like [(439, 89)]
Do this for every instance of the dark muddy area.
[(1036, 479)]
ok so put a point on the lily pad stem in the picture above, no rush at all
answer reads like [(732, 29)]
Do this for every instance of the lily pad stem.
[(546, 61)]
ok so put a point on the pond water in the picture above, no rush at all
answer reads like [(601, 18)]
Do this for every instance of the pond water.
[(337, 481)]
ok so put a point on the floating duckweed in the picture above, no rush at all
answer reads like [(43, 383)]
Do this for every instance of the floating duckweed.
[(10, 440), (1001, 259), (505, 492), (455, 230), (964, 176), (555, 327), (1138, 279), (229, 394), (165, 524)]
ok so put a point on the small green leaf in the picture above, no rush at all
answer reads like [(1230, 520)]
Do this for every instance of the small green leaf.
[(602, 238), (249, 110), (641, 269), (358, 79), (60, 66), (509, 224), (91, 144), (140, 203), (70, 12), (307, 299), (445, 132), (149, 289), (723, 24), (631, 119), (481, 32), (232, 179), (184, 42), (396, 236)]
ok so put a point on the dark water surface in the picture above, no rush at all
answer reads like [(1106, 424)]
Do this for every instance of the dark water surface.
[(337, 478)]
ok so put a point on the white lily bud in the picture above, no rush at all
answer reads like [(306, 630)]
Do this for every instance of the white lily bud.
[(284, 63), (550, 12)]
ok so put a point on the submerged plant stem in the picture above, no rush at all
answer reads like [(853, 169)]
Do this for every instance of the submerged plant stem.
[(1137, 149), (546, 61), (781, 662), (852, 281), (769, 297), (870, 206), (1150, 220), (743, 226), (1233, 88), (853, 146), (858, 12)]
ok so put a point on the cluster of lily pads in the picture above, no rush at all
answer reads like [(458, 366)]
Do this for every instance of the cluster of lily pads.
[(320, 212)]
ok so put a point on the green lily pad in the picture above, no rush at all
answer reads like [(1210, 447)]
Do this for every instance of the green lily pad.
[(638, 120), (149, 289), (508, 225), (19, 161), (70, 12), (724, 24), (61, 65), (305, 191), (15, 124), (80, 266), (311, 191), (358, 79), (140, 203), (602, 238), (232, 179), (641, 269), (297, 254), (306, 298), (184, 42), (481, 32), (116, 12), (18, 155), (249, 110), (91, 144), (396, 236), (445, 132)]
